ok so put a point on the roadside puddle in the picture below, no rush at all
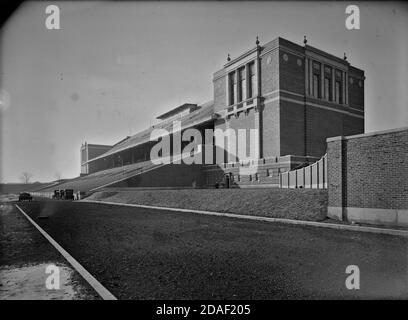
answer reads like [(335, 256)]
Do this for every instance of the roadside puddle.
[(30, 283), (24, 273)]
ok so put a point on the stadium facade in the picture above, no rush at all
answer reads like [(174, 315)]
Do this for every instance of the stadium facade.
[(295, 96)]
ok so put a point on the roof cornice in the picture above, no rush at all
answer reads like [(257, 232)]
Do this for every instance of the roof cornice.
[(242, 56)]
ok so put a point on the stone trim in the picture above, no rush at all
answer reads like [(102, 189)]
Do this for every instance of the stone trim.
[(312, 105), (369, 134), (391, 217), (240, 57)]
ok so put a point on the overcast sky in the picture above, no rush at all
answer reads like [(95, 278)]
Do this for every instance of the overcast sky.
[(114, 67)]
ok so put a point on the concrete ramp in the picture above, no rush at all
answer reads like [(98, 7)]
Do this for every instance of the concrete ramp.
[(143, 174)]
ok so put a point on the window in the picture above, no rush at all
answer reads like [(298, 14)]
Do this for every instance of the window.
[(338, 92), (250, 177), (251, 82), (327, 88), (256, 177), (316, 92), (316, 85), (338, 87), (238, 177), (232, 88), (242, 84)]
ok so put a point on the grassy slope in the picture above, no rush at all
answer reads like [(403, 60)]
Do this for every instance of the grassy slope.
[(16, 188), (300, 204)]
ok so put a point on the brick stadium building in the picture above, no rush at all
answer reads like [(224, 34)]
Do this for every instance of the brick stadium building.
[(296, 96)]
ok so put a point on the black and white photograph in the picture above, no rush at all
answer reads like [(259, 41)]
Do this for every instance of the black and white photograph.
[(205, 157)]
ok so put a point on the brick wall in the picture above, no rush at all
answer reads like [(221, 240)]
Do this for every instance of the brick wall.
[(169, 176), (303, 131), (335, 177), (368, 177), (352, 125), (245, 121), (270, 129), (356, 88), (269, 72), (288, 127), (291, 72), (292, 128), (320, 125)]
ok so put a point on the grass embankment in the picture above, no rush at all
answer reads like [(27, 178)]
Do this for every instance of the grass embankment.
[(299, 204)]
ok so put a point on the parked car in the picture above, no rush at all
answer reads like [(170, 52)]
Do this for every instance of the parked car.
[(69, 194), (56, 194), (25, 196)]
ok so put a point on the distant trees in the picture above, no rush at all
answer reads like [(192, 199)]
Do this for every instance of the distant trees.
[(26, 177)]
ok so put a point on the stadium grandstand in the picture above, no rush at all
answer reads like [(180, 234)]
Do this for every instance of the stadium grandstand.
[(295, 96)]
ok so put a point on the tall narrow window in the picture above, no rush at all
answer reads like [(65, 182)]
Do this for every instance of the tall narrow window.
[(327, 88), (316, 85), (231, 88), (316, 80), (338, 87), (251, 82), (338, 92), (328, 85), (242, 85)]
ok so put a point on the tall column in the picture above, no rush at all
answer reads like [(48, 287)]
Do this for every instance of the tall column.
[(228, 89), (306, 76), (236, 86), (86, 152), (322, 80), (258, 127), (346, 87), (229, 146), (243, 83), (258, 106), (311, 77), (247, 81), (337, 192), (256, 93), (333, 83), (343, 78)]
